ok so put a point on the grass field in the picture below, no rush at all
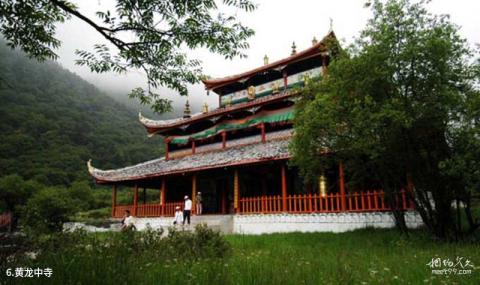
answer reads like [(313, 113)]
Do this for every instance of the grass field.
[(359, 257)]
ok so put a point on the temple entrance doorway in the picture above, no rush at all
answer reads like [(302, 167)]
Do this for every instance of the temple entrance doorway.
[(217, 192)]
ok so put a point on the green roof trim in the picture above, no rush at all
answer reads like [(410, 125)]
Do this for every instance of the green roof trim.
[(282, 115)]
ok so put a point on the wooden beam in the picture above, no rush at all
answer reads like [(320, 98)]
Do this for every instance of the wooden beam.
[(342, 186), (284, 188), (114, 199), (135, 200)]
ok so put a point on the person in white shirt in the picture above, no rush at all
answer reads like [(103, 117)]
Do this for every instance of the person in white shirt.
[(128, 221), (178, 216), (187, 210)]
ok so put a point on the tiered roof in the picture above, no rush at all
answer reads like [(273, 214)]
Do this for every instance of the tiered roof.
[(161, 126), (217, 85), (239, 155), (203, 126)]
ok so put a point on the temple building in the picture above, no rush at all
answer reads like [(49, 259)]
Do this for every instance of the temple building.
[(237, 156)]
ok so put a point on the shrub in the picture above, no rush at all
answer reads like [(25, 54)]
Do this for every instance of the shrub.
[(47, 210)]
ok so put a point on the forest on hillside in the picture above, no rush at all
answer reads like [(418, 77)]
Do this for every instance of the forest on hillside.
[(52, 122)]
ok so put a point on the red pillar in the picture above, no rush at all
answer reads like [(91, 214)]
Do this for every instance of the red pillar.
[(284, 188), (114, 199), (342, 186), (194, 194), (224, 139), (193, 147), (135, 200), (162, 195), (285, 80)]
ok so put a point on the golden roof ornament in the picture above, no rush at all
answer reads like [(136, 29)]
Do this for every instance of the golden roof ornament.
[(275, 88), (265, 60), (251, 92), (186, 111), (229, 101), (294, 48), (205, 108), (314, 41)]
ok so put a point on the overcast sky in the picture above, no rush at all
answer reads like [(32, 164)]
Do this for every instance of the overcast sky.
[(277, 23)]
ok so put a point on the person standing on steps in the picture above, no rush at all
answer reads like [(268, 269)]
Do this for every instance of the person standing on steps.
[(199, 203), (187, 210)]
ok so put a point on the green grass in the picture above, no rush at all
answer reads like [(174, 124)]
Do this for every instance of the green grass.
[(359, 257)]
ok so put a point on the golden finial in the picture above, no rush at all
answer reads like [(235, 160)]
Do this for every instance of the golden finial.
[(294, 48), (186, 111), (251, 92), (205, 108), (314, 41), (265, 60)]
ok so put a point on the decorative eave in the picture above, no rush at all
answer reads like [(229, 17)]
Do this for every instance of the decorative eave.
[(158, 126), (235, 156), (91, 169), (313, 50)]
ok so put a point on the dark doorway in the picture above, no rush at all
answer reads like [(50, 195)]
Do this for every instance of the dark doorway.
[(217, 191)]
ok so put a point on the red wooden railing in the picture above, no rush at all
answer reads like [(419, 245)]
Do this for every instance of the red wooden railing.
[(5, 219), (369, 201), (147, 210), (119, 210)]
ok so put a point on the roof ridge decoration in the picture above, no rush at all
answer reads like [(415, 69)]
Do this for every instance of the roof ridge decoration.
[(218, 82)]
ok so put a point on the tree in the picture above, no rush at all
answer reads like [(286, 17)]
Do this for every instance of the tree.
[(14, 192), (158, 31), (400, 103), (48, 209)]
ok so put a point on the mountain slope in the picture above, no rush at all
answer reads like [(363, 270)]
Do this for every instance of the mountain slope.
[(52, 122)]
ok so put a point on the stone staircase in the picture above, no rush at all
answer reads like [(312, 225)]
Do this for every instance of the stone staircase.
[(221, 223)]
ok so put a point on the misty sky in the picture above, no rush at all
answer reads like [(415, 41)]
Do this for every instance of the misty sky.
[(276, 23)]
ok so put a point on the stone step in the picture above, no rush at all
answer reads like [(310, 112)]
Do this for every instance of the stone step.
[(222, 223)]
